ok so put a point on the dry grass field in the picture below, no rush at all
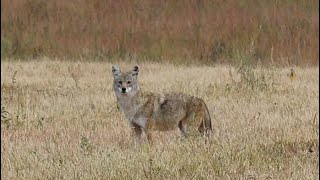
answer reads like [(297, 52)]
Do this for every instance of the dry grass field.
[(205, 31), (59, 120)]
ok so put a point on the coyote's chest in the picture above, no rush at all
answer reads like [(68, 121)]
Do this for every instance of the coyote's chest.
[(129, 107)]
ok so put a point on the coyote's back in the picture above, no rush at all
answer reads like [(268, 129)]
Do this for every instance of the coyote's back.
[(151, 111)]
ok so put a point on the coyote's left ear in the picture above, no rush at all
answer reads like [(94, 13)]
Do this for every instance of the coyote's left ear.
[(135, 71), (116, 70)]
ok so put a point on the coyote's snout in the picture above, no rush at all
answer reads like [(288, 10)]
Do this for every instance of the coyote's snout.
[(151, 111)]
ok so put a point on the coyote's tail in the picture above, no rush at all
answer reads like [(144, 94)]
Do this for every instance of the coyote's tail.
[(207, 120)]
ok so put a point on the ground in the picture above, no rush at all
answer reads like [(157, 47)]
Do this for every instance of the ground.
[(59, 120)]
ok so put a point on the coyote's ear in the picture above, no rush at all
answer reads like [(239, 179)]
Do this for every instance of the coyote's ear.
[(135, 71), (116, 70)]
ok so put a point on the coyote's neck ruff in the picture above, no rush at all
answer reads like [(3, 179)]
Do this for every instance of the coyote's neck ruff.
[(151, 111), (130, 104)]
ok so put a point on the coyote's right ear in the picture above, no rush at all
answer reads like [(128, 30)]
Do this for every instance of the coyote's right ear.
[(116, 70)]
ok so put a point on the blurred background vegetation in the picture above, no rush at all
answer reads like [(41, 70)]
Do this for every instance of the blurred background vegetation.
[(278, 32)]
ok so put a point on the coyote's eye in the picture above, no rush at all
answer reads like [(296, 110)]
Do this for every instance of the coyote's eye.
[(120, 82), (129, 82)]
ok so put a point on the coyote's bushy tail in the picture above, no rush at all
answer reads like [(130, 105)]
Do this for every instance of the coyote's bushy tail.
[(206, 124)]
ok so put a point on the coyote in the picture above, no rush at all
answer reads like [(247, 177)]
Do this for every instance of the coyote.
[(147, 111)]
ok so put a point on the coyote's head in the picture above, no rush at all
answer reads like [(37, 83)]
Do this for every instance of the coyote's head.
[(125, 83)]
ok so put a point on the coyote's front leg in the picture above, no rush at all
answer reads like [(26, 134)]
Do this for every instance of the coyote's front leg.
[(136, 133), (149, 137), (141, 125)]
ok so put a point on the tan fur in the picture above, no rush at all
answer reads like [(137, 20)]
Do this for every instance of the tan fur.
[(147, 111)]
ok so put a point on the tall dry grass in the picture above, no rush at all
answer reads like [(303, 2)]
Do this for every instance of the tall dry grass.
[(275, 32), (59, 120)]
